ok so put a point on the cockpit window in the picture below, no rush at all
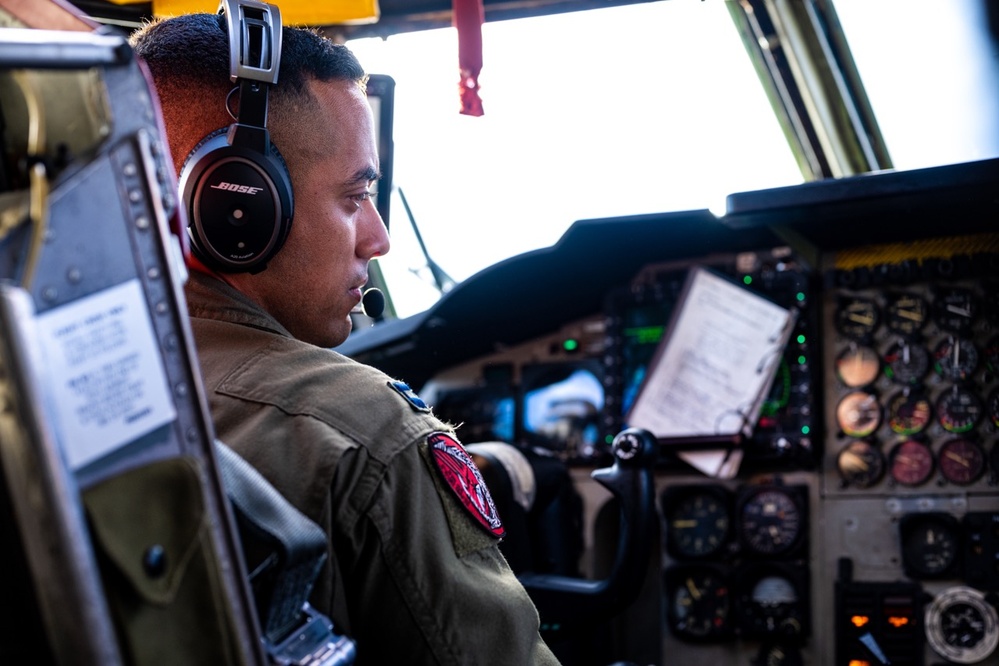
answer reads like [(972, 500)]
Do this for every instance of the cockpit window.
[(931, 72), (639, 109)]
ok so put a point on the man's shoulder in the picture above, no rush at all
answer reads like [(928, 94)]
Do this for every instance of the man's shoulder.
[(300, 379)]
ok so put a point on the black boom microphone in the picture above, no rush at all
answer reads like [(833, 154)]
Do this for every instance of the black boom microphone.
[(373, 303)]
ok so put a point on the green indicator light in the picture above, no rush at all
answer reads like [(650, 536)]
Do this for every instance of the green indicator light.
[(748, 279), (609, 439), (801, 339), (805, 430), (801, 360), (800, 296), (570, 345)]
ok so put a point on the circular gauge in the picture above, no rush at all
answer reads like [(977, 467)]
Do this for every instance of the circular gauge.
[(961, 461), (909, 413), (955, 358), (911, 463), (858, 414), (992, 355), (698, 603), (992, 406), (906, 363), (858, 365), (959, 409), (906, 314), (773, 607), (857, 317), (955, 309), (930, 545), (697, 523), (962, 626), (861, 464), (770, 521)]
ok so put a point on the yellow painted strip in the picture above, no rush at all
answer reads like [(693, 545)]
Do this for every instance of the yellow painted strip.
[(293, 12), (919, 250)]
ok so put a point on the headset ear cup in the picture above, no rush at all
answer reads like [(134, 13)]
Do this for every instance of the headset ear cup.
[(239, 203)]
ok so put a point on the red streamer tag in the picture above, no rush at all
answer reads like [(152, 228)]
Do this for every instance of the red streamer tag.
[(468, 17)]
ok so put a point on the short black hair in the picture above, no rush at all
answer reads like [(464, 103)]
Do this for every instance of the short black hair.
[(195, 48)]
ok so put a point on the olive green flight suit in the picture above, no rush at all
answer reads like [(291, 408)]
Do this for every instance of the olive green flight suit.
[(418, 580)]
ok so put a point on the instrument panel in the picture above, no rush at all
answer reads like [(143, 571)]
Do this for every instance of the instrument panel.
[(869, 481), (857, 521)]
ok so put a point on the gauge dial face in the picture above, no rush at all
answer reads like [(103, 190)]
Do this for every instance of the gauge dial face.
[(958, 409), (955, 358), (906, 314), (961, 461), (858, 365), (909, 413), (697, 524), (906, 363), (858, 414), (861, 464), (955, 309), (774, 607), (930, 545), (857, 318), (911, 463), (699, 603), (962, 626), (770, 521)]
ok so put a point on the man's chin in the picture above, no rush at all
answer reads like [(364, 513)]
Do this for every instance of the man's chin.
[(338, 333)]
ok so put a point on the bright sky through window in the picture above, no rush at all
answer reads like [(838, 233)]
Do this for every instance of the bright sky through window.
[(646, 108)]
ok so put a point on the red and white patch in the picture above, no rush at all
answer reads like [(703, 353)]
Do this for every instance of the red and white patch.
[(463, 477)]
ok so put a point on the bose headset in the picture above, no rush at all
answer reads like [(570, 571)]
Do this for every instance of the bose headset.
[(235, 184)]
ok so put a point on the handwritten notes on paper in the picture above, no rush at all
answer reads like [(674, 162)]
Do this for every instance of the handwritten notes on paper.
[(715, 363)]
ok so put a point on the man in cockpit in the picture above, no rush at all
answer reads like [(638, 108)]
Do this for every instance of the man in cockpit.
[(416, 575)]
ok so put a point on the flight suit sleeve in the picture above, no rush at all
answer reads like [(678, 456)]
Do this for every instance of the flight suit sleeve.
[(424, 578)]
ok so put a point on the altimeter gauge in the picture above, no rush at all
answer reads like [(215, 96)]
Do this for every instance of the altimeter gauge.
[(771, 520)]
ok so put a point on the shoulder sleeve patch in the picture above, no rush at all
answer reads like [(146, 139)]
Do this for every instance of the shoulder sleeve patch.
[(461, 475), (409, 395)]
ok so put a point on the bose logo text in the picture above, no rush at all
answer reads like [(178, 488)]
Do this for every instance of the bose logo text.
[(233, 187)]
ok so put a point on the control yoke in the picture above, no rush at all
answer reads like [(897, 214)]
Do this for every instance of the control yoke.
[(564, 602)]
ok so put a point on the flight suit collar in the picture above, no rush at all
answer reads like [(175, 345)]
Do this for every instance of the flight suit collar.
[(217, 300)]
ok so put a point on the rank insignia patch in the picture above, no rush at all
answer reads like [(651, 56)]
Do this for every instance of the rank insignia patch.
[(409, 395), (464, 479)]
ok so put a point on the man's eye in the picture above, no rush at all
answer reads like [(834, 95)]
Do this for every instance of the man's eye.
[(360, 198)]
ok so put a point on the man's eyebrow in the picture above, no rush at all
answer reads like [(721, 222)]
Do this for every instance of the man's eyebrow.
[(366, 175)]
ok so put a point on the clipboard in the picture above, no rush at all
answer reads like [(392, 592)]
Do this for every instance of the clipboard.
[(712, 370)]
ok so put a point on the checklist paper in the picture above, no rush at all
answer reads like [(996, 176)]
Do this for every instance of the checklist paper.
[(713, 368)]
